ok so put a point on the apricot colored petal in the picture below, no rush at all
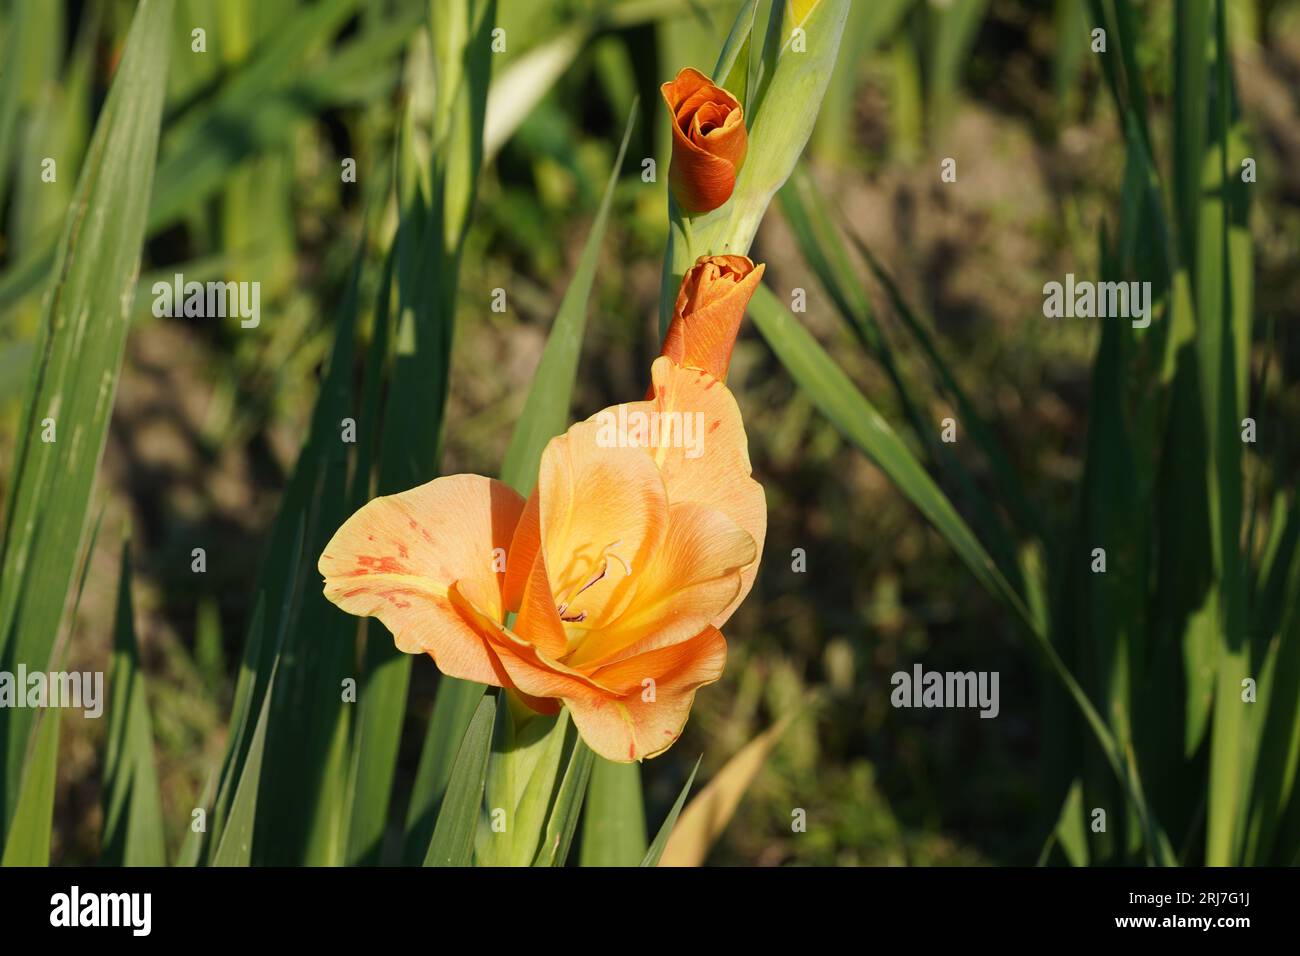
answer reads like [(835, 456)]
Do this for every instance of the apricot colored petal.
[(397, 558), (705, 336), (538, 622), (630, 727), (603, 512), (523, 553), (680, 89), (521, 665), (691, 579), (728, 140), (719, 474), (703, 287), (700, 180)]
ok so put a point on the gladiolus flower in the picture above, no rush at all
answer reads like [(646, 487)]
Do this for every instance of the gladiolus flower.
[(710, 305), (642, 537), (709, 141)]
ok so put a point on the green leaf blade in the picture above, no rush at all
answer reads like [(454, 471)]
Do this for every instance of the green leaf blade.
[(452, 843)]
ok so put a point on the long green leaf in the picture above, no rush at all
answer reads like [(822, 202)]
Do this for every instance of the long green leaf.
[(28, 842), (660, 843), (133, 815), (1218, 271), (850, 411), (75, 369), (546, 410), (453, 835), (563, 822), (453, 709), (236, 847), (429, 244), (257, 109), (613, 823), (303, 803)]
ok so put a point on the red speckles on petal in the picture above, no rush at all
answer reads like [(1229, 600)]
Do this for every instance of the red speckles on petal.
[(391, 598), (406, 554), (377, 564), (714, 426)]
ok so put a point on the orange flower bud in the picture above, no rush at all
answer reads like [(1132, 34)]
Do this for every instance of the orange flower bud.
[(709, 141), (711, 303)]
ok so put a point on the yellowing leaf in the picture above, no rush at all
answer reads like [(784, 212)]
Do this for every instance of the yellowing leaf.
[(708, 814)]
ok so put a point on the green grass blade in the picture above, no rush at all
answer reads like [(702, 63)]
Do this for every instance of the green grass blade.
[(1013, 494), (546, 411), (200, 146), (954, 33), (133, 816), (453, 835), (427, 264), (1119, 64), (303, 802), (1279, 735), (257, 110), (660, 843), (240, 730), (1191, 36), (1071, 832), (613, 824), (1071, 29), (28, 842), (812, 224), (382, 703), (563, 822), (1101, 617), (236, 846), (247, 735), (731, 72), (1233, 743), (22, 23), (869, 25), (191, 852), (76, 365), (453, 709), (849, 410)]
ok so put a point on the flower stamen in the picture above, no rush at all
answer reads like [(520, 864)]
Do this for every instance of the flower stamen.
[(606, 553)]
